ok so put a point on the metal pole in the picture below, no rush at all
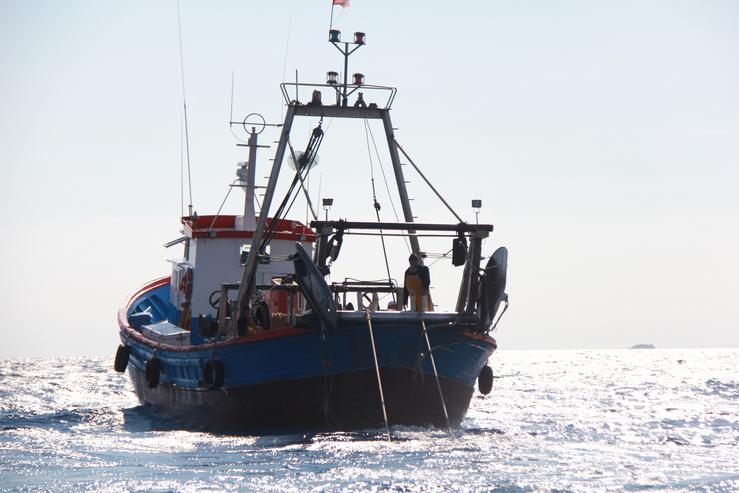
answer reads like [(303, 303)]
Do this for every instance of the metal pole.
[(464, 287), (247, 280), (436, 376), (474, 273), (399, 178), (346, 69), (250, 179), (377, 370)]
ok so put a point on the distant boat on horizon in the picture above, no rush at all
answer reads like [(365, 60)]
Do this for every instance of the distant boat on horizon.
[(642, 346)]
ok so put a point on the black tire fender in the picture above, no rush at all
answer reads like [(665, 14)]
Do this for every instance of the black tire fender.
[(153, 367), (121, 358), (213, 374), (485, 380)]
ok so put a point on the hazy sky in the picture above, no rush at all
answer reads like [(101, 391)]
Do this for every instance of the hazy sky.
[(602, 137)]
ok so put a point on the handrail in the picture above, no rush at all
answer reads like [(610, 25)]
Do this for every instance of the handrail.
[(365, 87)]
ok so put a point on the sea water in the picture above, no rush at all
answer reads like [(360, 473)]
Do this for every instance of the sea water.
[(620, 420)]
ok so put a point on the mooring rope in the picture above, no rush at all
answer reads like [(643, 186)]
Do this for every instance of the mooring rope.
[(436, 376), (377, 370)]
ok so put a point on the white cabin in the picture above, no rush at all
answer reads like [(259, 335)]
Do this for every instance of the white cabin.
[(216, 246)]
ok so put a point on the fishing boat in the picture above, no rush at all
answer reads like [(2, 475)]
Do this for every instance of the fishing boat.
[(248, 333)]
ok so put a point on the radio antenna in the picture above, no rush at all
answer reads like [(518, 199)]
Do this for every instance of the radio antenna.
[(184, 106)]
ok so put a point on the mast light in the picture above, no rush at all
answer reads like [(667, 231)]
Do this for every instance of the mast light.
[(358, 79), (359, 38), (327, 203), (477, 205), (332, 78), (334, 36)]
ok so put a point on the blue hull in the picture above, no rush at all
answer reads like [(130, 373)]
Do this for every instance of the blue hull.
[(298, 378)]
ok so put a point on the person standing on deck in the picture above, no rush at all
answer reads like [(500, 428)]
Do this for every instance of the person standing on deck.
[(416, 286)]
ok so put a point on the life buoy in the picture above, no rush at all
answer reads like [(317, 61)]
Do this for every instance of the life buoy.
[(213, 374), (485, 380), (121, 358), (334, 245), (186, 283), (152, 372)]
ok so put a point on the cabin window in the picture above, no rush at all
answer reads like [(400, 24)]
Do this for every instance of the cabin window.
[(244, 254)]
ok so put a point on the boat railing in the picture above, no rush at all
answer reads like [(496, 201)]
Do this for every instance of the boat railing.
[(365, 291), (385, 95)]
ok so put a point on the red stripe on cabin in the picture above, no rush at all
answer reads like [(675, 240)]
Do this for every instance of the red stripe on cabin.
[(224, 227)]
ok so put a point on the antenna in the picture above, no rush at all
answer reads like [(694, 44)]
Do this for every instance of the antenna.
[(284, 60), (184, 105)]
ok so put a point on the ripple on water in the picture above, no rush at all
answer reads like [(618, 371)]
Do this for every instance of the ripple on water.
[(555, 421)]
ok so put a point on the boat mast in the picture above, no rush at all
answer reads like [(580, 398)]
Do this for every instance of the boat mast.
[(315, 108), (400, 179), (246, 288), (342, 97), (249, 213)]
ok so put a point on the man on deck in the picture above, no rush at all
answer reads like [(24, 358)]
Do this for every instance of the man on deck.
[(416, 286)]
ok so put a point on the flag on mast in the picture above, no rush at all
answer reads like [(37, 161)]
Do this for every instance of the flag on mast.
[(343, 3)]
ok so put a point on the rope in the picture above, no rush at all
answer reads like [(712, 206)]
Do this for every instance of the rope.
[(302, 183), (387, 186), (374, 200), (428, 183), (436, 376), (377, 370), (222, 204), (443, 255), (500, 316), (300, 173)]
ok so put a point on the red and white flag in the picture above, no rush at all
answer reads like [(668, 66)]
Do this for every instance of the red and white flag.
[(343, 3)]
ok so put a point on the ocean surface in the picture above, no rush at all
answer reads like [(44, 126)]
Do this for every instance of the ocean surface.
[(621, 420)]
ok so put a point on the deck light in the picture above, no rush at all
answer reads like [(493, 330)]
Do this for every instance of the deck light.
[(358, 79), (332, 77), (358, 38), (477, 204), (334, 36), (327, 203)]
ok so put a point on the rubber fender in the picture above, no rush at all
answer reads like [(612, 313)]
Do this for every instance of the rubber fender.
[(485, 380), (208, 327), (213, 374), (260, 315), (121, 358), (153, 367)]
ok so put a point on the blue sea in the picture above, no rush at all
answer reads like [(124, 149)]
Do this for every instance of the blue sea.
[(615, 420)]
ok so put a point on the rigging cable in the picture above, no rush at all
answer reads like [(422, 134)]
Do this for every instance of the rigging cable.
[(309, 203), (387, 186), (184, 105), (428, 182), (230, 187), (376, 204), (182, 169), (301, 171), (231, 117)]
